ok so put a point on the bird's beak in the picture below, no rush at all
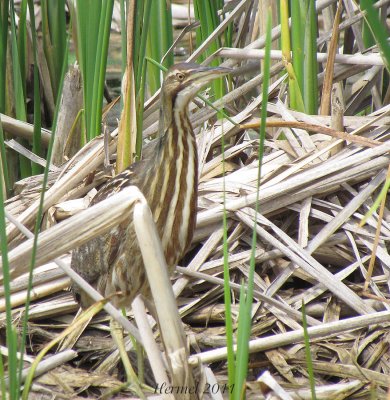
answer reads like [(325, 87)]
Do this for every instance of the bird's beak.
[(219, 70), (201, 76), (206, 74)]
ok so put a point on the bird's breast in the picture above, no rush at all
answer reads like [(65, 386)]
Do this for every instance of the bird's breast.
[(173, 192)]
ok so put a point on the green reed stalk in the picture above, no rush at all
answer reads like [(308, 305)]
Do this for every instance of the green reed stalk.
[(310, 67), (37, 144), (297, 42), (38, 220), (10, 335), (4, 9), (231, 358), (54, 39), (160, 39), (93, 20), (19, 93), (123, 7), (378, 30), (296, 101), (207, 14), (309, 360), (246, 295), (22, 47), (140, 50), (3, 156)]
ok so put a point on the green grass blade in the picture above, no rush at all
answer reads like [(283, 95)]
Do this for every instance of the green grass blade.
[(137, 26), (37, 145), (3, 389), (93, 79), (208, 17), (309, 360), (140, 120), (231, 359), (310, 66), (11, 337), (166, 32), (54, 38), (19, 99), (294, 64), (152, 35), (100, 65), (242, 343), (228, 301), (140, 68), (154, 52), (87, 23), (244, 326), (81, 53), (57, 26), (382, 194), (38, 220), (297, 41), (286, 51), (4, 8), (3, 156), (93, 21), (123, 36), (141, 49), (378, 30), (92, 42), (228, 34), (160, 39), (22, 47)]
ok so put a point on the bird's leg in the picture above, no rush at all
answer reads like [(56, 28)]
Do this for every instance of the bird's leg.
[(132, 379)]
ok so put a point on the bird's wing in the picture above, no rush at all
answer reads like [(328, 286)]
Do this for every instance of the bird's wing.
[(132, 175), (94, 259), (114, 185)]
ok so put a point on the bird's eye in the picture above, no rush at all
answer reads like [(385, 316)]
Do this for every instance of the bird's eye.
[(180, 76)]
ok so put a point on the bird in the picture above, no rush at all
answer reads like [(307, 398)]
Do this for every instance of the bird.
[(112, 263)]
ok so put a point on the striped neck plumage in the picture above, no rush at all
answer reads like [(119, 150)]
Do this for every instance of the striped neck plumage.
[(178, 104), (179, 182)]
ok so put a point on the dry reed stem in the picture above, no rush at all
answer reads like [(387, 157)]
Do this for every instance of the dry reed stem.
[(283, 339), (169, 321)]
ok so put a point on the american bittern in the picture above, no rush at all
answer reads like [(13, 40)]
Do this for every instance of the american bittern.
[(112, 263)]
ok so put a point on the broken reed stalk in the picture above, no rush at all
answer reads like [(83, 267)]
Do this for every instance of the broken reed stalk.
[(315, 128)]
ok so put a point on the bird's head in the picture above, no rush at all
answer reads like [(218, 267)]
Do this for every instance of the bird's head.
[(184, 80), (180, 86)]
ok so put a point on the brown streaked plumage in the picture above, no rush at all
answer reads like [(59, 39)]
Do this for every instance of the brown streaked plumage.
[(112, 262)]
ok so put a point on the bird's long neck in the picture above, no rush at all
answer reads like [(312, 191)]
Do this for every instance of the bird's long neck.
[(176, 177)]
